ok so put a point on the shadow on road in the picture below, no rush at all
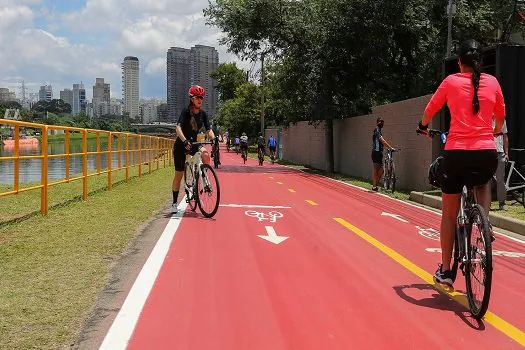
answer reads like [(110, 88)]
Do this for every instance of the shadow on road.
[(439, 301)]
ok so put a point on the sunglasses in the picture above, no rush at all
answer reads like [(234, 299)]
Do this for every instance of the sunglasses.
[(199, 97)]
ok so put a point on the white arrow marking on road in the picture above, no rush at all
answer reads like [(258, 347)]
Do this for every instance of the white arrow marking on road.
[(272, 236), (395, 216)]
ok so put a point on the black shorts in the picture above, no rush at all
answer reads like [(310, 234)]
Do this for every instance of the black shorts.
[(377, 157), (179, 154), (244, 145), (470, 168), (272, 148)]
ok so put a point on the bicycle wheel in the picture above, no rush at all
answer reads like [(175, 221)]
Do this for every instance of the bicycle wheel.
[(216, 160), (386, 178), (478, 269), (393, 179), (189, 181), (208, 191), (456, 255)]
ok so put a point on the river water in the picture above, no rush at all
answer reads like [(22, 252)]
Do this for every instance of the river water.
[(30, 169)]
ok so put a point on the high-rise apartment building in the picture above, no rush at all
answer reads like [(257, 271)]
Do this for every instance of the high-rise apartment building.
[(6, 95), (79, 99), (101, 98), (66, 95), (45, 93), (130, 86), (178, 80), (205, 60), (186, 67)]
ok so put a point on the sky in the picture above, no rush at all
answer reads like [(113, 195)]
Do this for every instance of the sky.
[(62, 42)]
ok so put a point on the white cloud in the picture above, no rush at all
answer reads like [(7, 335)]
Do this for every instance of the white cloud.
[(157, 67), (92, 41)]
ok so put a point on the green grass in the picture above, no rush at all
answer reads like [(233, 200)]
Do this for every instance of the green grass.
[(26, 204), (513, 209), (53, 267), (73, 136)]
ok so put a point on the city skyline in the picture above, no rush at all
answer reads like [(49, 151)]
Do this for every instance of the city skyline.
[(59, 43)]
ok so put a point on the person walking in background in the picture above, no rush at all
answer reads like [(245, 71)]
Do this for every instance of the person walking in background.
[(378, 142), (502, 146)]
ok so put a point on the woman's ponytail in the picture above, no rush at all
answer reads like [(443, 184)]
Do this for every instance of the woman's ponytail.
[(476, 75)]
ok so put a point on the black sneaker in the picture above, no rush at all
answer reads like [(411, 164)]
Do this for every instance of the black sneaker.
[(375, 189), (443, 277)]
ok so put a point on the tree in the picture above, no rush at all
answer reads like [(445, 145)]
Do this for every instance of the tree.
[(241, 114), (229, 78)]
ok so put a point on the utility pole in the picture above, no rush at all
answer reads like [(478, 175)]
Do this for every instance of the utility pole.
[(262, 94), (451, 12)]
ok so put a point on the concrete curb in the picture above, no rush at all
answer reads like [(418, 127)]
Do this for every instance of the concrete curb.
[(498, 220)]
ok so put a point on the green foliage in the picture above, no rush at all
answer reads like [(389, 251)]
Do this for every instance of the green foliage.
[(229, 78), (338, 58), (53, 106), (242, 113)]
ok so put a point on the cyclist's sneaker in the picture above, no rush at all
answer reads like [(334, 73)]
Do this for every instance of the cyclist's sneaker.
[(375, 188), (174, 208), (443, 277)]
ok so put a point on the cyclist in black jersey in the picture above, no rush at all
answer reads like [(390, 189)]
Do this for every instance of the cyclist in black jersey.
[(191, 120)]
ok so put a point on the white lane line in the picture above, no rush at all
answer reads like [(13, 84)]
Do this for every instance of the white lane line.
[(124, 324), (254, 206)]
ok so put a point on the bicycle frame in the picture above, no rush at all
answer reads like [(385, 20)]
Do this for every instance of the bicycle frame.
[(511, 170)]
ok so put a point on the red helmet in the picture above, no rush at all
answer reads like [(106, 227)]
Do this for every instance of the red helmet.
[(196, 90)]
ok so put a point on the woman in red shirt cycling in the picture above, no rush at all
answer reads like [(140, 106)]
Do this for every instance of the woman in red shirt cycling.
[(473, 99)]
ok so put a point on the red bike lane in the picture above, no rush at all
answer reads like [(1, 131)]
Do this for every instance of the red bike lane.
[(236, 282)]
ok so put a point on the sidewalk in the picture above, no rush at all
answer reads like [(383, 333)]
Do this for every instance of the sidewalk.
[(498, 220)]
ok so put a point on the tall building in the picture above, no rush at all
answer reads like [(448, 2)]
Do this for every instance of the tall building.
[(45, 93), (6, 95), (205, 60), (66, 95), (178, 80), (79, 99), (130, 86), (101, 98), (186, 67)]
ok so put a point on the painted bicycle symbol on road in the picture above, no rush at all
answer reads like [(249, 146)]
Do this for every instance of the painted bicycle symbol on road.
[(272, 216)]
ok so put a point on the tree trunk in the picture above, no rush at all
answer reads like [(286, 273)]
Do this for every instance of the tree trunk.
[(329, 145)]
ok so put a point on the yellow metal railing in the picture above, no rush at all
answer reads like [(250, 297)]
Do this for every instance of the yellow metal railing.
[(133, 146)]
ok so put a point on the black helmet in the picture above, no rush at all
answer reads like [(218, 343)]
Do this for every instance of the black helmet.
[(435, 172)]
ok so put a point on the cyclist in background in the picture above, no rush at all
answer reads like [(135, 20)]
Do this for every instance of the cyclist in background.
[(261, 145), (378, 142), (272, 145), (191, 120), (244, 144), (473, 99), (237, 143)]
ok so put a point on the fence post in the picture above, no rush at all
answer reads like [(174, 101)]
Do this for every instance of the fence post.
[(17, 160), (110, 161), (43, 182), (140, 155), (66, 151), (127, 158), (84, 165)]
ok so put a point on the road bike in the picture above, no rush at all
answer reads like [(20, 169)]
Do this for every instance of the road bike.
[(216, 154), (272, 156), (201, 184), (472, 245), (244, 153), (389, 178), (515, 181), (260, 155)]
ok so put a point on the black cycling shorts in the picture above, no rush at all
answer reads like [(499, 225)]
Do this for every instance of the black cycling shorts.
[(377, 157), (465, 167), (179, 154), (272, 148)]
